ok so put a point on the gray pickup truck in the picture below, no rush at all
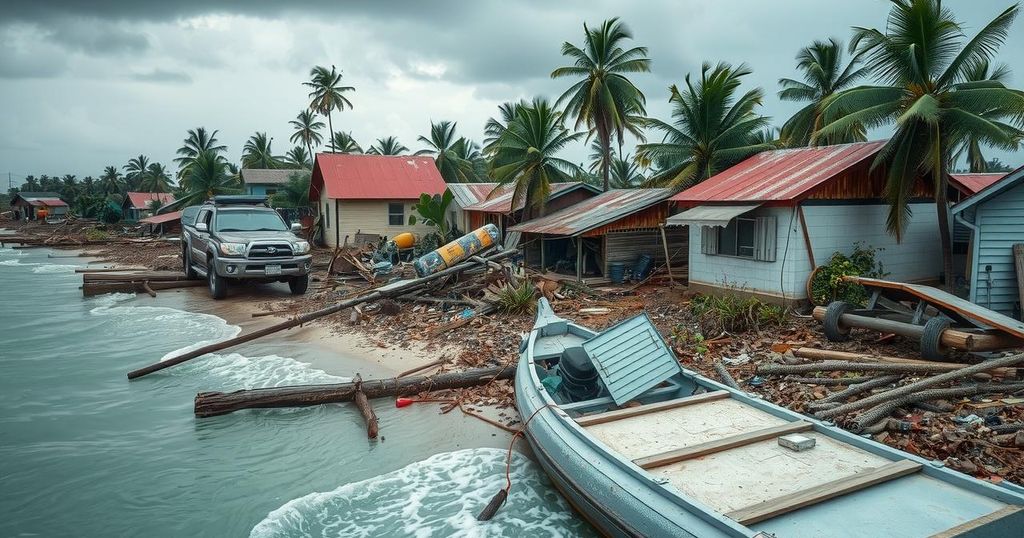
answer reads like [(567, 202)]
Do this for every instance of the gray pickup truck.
[(242, 238)]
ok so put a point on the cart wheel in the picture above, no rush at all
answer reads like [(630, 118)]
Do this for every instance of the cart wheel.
[(931, 339), (834, 330)]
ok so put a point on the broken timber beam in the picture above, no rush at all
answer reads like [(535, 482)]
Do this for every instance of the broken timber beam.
[(211, 404), (391, 290)]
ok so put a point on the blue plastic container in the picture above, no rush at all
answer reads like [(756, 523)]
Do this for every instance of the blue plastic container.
[(617, 272), (642, 267)]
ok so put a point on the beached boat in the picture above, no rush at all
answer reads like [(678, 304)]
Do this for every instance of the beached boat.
[(643, 447)]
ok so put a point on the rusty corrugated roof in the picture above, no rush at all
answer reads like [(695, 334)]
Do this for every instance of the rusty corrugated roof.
[(374, 177), (780, 176), (973, 183), (467, 194), (160, 219), (140, 200), (501, 202), (595, 212)]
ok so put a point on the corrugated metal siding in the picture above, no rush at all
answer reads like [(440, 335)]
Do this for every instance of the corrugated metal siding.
[(1001, 220), (631, 357), (626, 247), (859, 182), (651, 217), (605, 211)]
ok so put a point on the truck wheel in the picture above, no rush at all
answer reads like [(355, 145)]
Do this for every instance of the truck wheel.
[(834, 329), (186, 260), (931, 339), (218, 284), (298, 284)]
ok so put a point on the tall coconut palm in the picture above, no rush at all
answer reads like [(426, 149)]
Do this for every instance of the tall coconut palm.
[(207, 176), (980, 71), (444, 146), (297, 156), (257, 153), (922, 61), (307, 130), (327, 94), (496, 126), (197, 141), (526, 156), (824, 75), (387, 146), (111, 181), (604, 99), (135, 172), (625, 171), (711, 130), (343, 142), (157, 179)]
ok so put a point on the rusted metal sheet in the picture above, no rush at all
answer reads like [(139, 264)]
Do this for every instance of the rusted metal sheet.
[(603, 212), (780, 176), (646, 219), (467, 194), (501, 199), (969, 184)]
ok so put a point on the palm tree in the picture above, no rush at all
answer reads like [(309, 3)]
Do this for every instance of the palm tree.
[(343, 142), (711, 129), (445, 148), (111, 181), (604, 100), (979, 72), (526, 155), (88, 185), (824, 75), (257, 153), (157, 179), (208, 176), (297, 156), (387, 146), (136, 171), (326, 94), (197, 141), (496, 126), (307, 130), (626, 173), (922, 61), (31, 185)]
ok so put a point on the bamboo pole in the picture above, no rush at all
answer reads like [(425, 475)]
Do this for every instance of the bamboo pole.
[(375, 294)]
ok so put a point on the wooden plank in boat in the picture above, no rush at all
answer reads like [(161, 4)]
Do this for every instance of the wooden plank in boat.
[(976, 523), (800, 499), (718, 445), (618, 414)]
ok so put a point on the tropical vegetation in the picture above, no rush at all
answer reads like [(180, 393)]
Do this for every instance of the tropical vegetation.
[(326, 94)]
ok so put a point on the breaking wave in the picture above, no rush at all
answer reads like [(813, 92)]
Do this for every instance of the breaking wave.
[(439, 496), (50, 268)]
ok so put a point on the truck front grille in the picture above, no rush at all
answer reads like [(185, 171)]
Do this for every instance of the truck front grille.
[(270, 250)]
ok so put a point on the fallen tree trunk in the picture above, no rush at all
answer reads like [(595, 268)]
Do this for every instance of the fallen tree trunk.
[(882, 411), (363, 403), (922, 384), (391, 290), (211, 404), (956, 339), (726, 377), (133, 276), (828, 354), (854, 390), (99, 288), (844, 366)]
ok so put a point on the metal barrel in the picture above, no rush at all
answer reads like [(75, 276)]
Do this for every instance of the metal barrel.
[(457, 251)]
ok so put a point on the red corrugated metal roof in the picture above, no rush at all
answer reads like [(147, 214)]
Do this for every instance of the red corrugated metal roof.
[(972, 183), (48, 202), (502, 200), (140, 200), (780, 175), (595, 212), (160, 219), (374, 177)]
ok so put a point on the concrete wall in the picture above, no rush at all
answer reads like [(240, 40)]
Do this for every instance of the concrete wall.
[(832, 227), (365, 216), (1001, 225)]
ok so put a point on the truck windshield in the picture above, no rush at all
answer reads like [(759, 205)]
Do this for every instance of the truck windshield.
[(249, 221)]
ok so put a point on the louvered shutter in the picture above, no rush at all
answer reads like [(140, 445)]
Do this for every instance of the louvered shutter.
[(708, 240), (765, 234)]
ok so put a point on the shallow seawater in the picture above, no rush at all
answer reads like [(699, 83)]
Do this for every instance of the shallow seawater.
[(85, 452)]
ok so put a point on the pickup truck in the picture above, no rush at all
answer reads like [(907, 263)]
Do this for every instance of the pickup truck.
[(232, 238)]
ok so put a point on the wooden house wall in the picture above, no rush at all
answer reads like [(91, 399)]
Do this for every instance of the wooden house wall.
[(860, 182), (652, 217), (626, 247)]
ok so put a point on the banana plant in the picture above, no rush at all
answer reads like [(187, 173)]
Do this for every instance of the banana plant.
[(433, 211)]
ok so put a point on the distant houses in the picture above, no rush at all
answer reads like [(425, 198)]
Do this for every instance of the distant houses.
[(362, 197), (38, 205), (138, 205), (266, 182)]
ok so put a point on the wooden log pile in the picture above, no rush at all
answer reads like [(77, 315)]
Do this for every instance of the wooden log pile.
[(100, 282)]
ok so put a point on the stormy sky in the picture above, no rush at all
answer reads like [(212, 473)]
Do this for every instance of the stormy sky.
[(89, 84)]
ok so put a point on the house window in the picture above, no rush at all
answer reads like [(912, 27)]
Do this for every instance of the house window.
[(396, 214), (753, 238)]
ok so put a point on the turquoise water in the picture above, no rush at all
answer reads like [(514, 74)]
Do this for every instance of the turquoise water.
[(84, 452)]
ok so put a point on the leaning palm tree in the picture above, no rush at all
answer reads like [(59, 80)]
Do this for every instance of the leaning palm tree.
[(307, 130), (111, 181), (157, 179), (711, 130), (344, 143), (979, 72), (444, 146), (387, 146), (824, 75), (197, 141), (922, 61), (604, 99), (496, 126), (257, 153), (526, 156), (135, 172), (297, 156), (208, 176), (327, 94)]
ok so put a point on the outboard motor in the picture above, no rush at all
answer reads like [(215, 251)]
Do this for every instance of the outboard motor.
[(579, 377)]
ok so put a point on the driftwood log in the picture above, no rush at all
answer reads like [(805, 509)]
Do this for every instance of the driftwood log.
[(828, 354), (854, 390), (365, 409), (211, 404), (872, 416), (725, 376), (391, 290)]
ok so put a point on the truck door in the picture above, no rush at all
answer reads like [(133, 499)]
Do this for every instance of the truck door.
[(201, 239)]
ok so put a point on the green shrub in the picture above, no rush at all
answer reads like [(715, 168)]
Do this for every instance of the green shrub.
[(828, 285), (513, 299), (96, 234), (734, 312)]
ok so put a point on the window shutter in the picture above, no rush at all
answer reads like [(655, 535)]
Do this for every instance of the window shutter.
[(765, 234), (708, 240)]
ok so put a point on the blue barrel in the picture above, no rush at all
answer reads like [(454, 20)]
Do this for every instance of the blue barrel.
[(617, 272), (642, 267)]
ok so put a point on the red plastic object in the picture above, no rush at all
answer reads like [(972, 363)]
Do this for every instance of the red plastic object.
[(403, 402)]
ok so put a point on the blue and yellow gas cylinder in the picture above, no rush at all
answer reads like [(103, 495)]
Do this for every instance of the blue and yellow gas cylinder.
[(457, 251)]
